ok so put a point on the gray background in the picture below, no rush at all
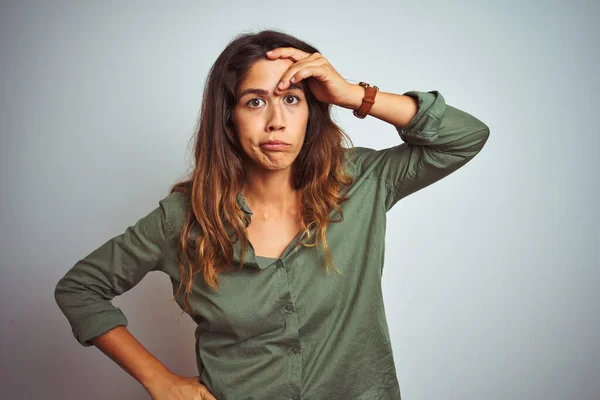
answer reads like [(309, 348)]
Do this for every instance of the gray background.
[(491, 274)]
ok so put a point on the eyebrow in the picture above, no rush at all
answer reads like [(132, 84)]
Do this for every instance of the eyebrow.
[(265, 92)]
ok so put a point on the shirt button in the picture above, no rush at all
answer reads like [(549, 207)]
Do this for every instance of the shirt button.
[(295, 350), (279, 263), (289, 307)]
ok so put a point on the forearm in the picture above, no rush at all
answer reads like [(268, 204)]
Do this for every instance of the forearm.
[(124, 349), (395, 109)]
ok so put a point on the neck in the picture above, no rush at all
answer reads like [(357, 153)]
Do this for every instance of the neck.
[(271, 194)]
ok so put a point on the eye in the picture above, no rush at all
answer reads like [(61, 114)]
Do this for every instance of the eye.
[(251, 100), (293, 97), (251, 103)]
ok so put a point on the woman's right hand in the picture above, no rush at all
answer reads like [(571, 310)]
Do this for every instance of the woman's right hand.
[(181, 388)]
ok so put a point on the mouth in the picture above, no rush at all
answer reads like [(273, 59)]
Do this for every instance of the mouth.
[(274, 145)]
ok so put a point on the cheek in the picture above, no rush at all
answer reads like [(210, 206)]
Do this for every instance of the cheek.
[(243, 129), (247, 135), (248, 141), (247, 127)]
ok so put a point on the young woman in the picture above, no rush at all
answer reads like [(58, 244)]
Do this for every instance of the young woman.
[(275, 243)]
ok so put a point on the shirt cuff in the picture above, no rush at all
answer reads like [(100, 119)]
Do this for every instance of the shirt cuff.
[(97, 324), (424, 126)]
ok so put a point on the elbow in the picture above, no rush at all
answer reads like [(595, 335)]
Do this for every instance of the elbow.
[(59, 293), (66, 292), (482, 136), (470, 147)]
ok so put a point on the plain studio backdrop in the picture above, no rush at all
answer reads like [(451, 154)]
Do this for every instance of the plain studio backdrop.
[(491, 275)]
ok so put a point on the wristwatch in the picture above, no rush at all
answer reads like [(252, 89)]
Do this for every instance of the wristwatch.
[(367, 101)]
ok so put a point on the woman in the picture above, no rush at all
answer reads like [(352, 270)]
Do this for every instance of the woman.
[(275, 244)]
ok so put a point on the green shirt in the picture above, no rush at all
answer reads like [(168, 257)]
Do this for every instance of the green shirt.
[(284, 328)]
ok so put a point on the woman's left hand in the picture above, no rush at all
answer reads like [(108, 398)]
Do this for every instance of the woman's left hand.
[(327, 84)]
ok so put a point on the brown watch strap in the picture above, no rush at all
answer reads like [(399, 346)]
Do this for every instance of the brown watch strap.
[(368, 100)]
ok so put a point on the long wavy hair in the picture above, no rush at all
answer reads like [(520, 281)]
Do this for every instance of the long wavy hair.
[(217, 174)]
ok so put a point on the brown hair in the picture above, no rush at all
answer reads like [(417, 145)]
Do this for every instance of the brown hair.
[(218, 171)]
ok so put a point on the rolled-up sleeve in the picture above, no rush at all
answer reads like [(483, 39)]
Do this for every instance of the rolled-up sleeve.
[(85, 292), (436, 142)]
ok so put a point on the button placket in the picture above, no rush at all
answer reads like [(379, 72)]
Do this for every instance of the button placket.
[(289, 311)]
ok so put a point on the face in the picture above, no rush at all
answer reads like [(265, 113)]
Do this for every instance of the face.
[(262, 116)]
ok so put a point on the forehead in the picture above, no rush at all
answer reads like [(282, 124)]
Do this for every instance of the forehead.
[(266, 74)]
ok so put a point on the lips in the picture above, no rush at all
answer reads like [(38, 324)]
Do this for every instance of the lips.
[(273, 145), (274, 142)]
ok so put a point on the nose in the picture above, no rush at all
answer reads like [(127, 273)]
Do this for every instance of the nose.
[(276, 119)]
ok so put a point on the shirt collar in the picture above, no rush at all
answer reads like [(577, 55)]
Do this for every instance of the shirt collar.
[(241, 203), (249, 257)]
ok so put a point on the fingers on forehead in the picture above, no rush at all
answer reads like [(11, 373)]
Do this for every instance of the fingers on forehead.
[(292, 52)]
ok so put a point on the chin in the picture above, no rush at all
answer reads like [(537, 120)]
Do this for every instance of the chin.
[(275, 165)]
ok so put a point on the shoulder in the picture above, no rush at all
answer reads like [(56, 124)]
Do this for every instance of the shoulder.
[(175, 207)]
